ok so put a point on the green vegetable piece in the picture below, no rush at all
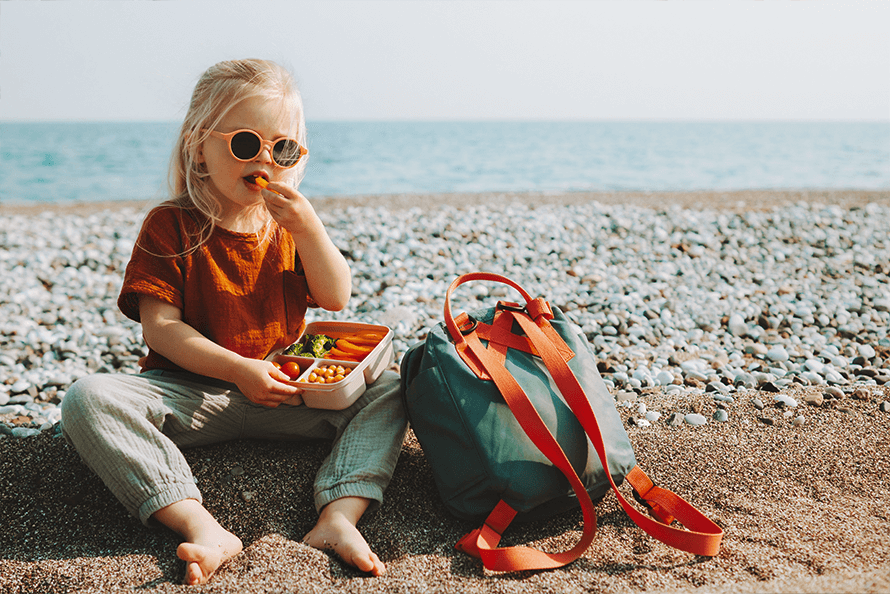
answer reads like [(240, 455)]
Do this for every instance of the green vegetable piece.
[(319, 345), (312, 345)]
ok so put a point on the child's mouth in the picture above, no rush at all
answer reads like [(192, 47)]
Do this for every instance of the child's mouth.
[(257, 180)]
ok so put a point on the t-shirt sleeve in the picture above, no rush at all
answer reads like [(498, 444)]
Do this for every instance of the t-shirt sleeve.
[(156, 264)]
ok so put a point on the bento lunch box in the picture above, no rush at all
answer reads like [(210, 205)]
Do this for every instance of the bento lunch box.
[(340, 394)]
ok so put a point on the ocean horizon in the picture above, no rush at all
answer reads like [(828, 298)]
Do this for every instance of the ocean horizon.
[(107, 161)]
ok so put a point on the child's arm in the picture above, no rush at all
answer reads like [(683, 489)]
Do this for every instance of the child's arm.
[(327, 272), (169, 336)]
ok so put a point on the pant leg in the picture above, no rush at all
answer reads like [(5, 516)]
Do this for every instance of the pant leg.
[(127, 429), (367, 439)]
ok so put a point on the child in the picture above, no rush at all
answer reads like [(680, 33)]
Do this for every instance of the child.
[(221, 274)]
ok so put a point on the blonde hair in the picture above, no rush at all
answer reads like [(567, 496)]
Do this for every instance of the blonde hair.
[(219, 89)]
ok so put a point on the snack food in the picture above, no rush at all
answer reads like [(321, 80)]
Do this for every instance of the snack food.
[(355, 346), (261, 182), (328, 374), (372, 353), (292, 369), (343, 346), (312, 345)]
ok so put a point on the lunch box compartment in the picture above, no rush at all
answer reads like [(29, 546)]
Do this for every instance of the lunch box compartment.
[(342, 394)]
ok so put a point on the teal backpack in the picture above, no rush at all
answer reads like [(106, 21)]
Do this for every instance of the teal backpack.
[(516, 423)]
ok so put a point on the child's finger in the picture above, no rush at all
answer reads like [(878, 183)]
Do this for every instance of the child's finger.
[(279, 375), (280, 190), (273, 200), (272, 400), (283, 389)]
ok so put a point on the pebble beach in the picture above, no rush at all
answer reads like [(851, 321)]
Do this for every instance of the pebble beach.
[(744, 335)]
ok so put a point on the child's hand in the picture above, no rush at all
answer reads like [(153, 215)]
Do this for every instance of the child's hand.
[(326, 270), (290, 208), (263, 383)]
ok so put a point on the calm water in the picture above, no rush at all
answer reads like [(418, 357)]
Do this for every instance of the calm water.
[(121, 161)]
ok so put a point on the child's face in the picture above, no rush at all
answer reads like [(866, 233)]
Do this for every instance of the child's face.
[(227, 174)]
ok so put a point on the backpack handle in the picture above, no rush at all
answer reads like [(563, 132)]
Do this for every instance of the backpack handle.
[(453, 329)]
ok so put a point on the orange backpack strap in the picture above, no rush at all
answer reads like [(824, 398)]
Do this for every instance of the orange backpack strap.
[(483, 541), (703, 536)]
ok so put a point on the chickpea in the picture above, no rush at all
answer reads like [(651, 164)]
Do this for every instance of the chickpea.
[(328, 374)]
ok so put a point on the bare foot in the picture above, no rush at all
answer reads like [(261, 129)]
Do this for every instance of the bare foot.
[(203, 559), (207, 544), (336, 531)]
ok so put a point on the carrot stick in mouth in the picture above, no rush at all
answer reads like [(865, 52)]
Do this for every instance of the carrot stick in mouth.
[(262, 182)]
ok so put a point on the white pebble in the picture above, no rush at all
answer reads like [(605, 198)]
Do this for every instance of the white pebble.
[(777, 353), (866, 351), (695, 419), (19, 387), (737, 325), (664, 378), (785, 400), (815, 365)]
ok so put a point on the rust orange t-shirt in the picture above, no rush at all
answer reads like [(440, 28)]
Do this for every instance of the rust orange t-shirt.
[(240, 290)]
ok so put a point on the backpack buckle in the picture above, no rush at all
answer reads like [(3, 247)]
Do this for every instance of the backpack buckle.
[(655, 510), (469, 326), (507, 306)]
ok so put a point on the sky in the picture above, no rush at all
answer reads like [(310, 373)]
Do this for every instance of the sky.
[(589, 60)]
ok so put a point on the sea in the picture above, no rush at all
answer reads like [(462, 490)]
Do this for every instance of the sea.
[(107, 161)]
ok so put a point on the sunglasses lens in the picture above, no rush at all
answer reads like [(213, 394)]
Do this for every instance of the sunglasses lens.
[(246, 145), (286, 152)]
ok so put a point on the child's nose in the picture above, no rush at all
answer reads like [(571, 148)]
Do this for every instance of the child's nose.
[(265, 155)]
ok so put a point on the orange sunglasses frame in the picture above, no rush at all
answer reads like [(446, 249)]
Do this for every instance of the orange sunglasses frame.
[(264, 144)]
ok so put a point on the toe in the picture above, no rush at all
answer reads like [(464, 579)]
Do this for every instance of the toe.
[(379, 568), (198, 562), (369, 563), (193, 574)]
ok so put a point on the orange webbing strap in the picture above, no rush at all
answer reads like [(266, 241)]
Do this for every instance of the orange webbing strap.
[(499, 336), (538, 308), (500, 326), (483, 541), (499, 340), (703, 536), (646, 493)]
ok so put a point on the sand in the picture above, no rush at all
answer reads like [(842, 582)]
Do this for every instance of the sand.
[(804, 509)]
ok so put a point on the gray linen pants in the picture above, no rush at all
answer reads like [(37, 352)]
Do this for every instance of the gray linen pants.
[(128, 429)]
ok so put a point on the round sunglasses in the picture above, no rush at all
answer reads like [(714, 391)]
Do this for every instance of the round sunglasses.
[(245, 145)]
